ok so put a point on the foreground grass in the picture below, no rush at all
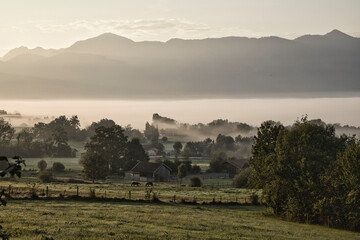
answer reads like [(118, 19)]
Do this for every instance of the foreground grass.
[(31, 219)]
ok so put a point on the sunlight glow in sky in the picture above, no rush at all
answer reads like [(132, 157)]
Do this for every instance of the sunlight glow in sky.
[(57, 24)]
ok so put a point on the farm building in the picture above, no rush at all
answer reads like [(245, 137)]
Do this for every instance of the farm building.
[(149, 172), (235, 165)]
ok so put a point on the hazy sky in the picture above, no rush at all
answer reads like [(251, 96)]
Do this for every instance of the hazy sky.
[(55, 24)]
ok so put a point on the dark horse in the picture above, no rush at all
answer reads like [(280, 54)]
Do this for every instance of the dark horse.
[(148, 184), (135, 184)]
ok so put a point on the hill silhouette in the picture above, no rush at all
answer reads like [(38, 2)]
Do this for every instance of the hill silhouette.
[(111, 66)]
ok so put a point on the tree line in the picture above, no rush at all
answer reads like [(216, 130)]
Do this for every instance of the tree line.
[(307, 173)]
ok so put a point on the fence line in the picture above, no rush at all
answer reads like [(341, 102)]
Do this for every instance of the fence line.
[(92, 192)]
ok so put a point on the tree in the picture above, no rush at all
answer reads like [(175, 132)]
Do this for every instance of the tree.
[(241, 179), (195, 182), (152, 134), (25, 138), (134, 152), (263, 155), (58, 167), (95, 166), (110, 143), (132, 133), (102, 123), (182, 171), (343, 190), (61, 147), (226, 143), (6, 132), (297, 169), (177, 149), (42, 165), (217, 161)]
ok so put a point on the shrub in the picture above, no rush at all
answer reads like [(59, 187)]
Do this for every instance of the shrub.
[(42, 165), (195, 182), (92, 193), (254, 199), (33, 191), (195, 169), (154, 197), (58, 167), (46, 176), (241, 179)]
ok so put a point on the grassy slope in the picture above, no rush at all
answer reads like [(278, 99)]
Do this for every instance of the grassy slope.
[(93, 220)]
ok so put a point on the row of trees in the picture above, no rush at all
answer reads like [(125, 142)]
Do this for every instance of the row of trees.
[(307, 173), (51, 139), (28, 142)]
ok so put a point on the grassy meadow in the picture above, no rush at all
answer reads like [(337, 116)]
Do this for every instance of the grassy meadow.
[(66, 219)]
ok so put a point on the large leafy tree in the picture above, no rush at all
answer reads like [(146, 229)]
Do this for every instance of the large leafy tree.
[(95, 166), (341, 204), (308, 173), (263, 158), (303, 155), (110, 143)]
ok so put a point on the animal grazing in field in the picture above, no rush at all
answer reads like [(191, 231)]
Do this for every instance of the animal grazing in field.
[(148, 184), (135, 184)]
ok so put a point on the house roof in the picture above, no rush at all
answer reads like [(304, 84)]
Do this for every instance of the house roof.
[(238, 163), (147, 167)]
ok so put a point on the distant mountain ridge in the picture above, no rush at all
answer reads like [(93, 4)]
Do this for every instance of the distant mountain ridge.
[(111, 66)]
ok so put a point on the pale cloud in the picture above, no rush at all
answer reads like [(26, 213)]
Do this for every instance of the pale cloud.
[(142, 25), (148, 29)]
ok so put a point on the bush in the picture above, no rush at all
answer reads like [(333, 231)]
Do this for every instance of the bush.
[(92, 193), (154, 197), (254, 199), (241, 179), (42, 165), (33, 191), (46, 176), (58, 167), (195, 182), (195, 169)]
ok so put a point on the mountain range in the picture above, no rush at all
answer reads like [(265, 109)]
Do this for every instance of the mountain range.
[(113, 67)]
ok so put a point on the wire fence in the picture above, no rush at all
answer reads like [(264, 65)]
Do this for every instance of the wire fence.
[(143, 194)]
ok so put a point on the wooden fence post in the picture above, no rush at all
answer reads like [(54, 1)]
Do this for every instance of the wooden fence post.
[(47, 191), (77, 191), (9, 191)]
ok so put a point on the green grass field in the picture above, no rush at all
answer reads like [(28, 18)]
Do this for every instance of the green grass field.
[(63, 219)]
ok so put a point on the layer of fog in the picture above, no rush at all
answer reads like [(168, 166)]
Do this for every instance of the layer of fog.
[(345, 111)]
